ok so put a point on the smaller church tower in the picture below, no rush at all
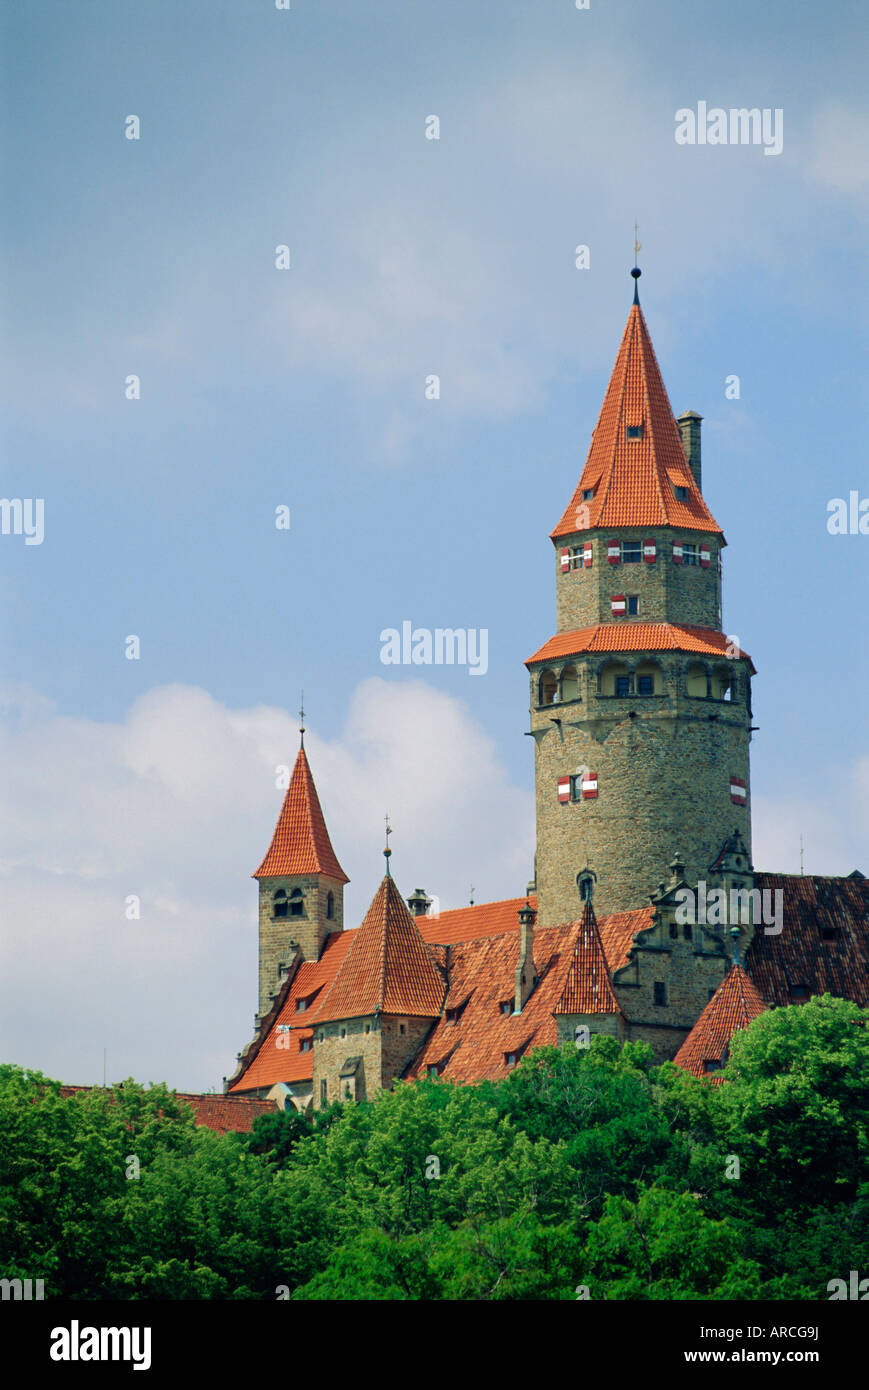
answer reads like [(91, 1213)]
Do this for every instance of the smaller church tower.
[(301, 885)]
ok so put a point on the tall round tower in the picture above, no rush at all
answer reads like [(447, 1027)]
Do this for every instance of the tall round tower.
[(640, 704)]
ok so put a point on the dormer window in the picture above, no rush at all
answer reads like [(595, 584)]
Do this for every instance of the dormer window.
[(711, 1064), (506, 1006), (829, 933), (634, 432), (301, 1005), (800, 991), (682, 493), (587, 494), (306, 1045)]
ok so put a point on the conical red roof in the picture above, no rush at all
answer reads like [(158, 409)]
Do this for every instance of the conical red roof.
[(634, 480), (587, 988), (734, 1005), (301, 844), (388, 967)]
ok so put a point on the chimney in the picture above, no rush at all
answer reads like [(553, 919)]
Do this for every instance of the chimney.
[(525, 968), (418, 902), (689, 428)]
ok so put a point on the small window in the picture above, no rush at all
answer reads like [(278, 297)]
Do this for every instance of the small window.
[(829, 933), (632, 552), (301, 1005), (682, 494), (799, 991), (587, 494), (279, 904), (577, 556), (510, 1059), (687, 933), (306, 1045), (674, 932), (368, 1027), (634, 432), (623, 685), (711, 1064), (297, 903), (330, 906), (343, 1032), (709, 993), (659, 996), (323, 1092), (434, 1069), (401, 1029), (506, 1006), (689, 553), (633, 604), (645, 685)]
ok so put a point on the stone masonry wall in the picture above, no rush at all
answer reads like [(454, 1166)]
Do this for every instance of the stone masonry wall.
[(663, 763), (667, 592), (385, 1051), (310, 931)]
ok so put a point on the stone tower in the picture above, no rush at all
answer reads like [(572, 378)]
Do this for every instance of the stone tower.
[(640, 704), (301, 885)]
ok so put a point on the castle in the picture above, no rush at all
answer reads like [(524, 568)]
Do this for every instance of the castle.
[(646, 918)]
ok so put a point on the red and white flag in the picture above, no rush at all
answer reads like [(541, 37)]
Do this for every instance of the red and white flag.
[(587, 554), (677, 553), (649, 551), (564, 789), (565, 560), (589, 786), (618, 605), (613, 552)]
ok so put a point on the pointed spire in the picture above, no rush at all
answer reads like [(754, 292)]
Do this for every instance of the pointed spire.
[(735, 1004), (587, 987), (632, 481), (389, 968), (301, 844)]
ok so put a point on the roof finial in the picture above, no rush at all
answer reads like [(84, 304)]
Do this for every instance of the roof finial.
[(302, 719), (734, 936), (387, 852), (636, 272)]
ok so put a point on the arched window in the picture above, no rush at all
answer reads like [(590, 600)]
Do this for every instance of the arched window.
[(330, 906), (724, 683), (570, 683), (649, 679), (547, 688), (696, 682), (615, 679), (297, 903), (279, 903)]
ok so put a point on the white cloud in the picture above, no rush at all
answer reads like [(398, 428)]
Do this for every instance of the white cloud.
[(177, 805)]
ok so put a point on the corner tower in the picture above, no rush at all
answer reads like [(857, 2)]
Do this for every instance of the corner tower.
[(640, 705), (301, 884)]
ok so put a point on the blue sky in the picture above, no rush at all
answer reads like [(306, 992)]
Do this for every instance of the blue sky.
[(306, 387)]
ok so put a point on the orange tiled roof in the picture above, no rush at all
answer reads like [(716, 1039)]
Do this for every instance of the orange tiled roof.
[(388, 967), (633, 478), (734, 1005), (635, 637), (466, 923), (587, 988), (301, 844), (267, 1063), (814, 908)]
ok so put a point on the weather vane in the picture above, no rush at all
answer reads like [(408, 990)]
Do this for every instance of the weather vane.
[(302, 719), (637, 243), (387, 851)]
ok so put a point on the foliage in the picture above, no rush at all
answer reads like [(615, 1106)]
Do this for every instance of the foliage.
[(585, 1168)]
